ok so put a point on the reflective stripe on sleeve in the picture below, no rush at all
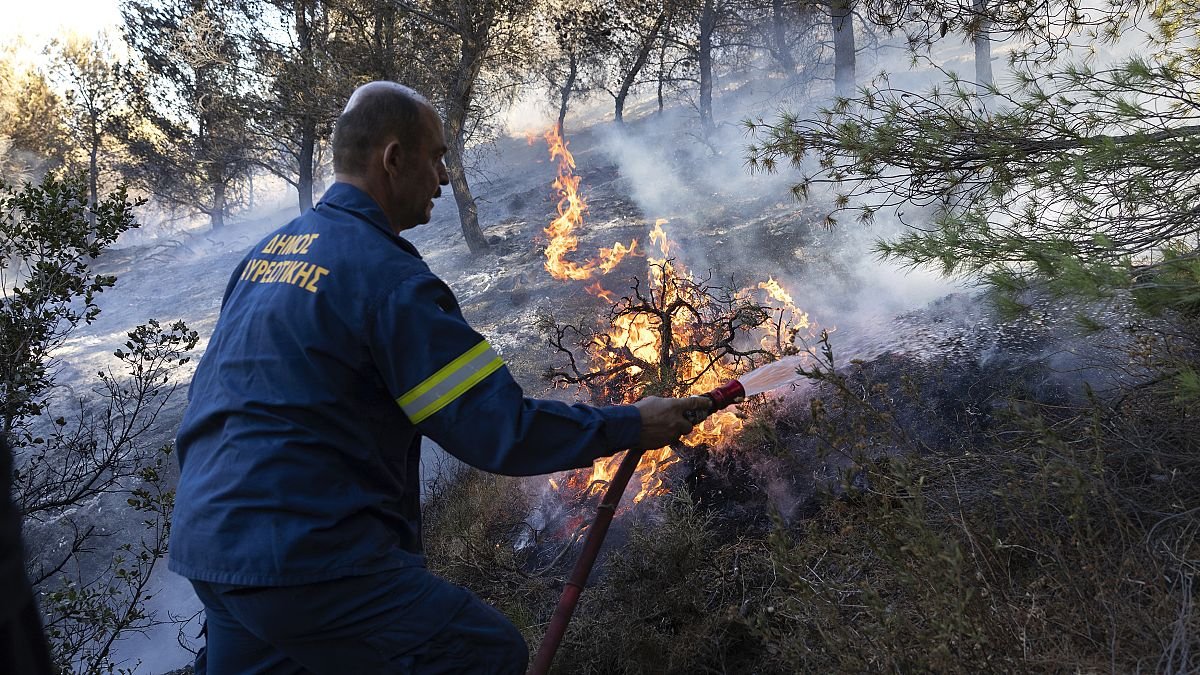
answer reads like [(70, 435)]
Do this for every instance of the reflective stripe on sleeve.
[(447, 384)]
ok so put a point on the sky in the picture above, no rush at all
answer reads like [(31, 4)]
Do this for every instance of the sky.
[(36, 22)]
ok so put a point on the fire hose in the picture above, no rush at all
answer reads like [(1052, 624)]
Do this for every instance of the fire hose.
[(726, 395)]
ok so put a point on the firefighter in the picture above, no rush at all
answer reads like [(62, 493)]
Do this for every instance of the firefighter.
[(297, 516)]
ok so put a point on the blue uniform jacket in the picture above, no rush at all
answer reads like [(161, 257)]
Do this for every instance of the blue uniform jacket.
[(336, 350)]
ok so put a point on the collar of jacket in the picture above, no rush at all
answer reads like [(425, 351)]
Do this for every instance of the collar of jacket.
[(345, 197)]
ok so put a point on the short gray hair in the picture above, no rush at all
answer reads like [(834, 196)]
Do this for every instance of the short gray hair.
[(375, 111)]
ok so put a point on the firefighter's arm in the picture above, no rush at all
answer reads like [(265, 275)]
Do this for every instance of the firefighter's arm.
[(455, 388)]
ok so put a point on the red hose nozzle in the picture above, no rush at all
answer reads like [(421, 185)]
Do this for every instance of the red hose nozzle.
[(726, 395)]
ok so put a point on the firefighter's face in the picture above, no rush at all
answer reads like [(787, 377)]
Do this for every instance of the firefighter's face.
[(416, 174)]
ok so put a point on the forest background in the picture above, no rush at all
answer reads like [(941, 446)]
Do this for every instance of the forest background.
[(947, 510)]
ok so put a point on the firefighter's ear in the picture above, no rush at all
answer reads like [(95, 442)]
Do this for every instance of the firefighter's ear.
[(393, 157)]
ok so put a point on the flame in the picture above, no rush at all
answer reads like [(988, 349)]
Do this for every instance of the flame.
[(636, 336), (600, 292), (797, 319), (611, 257), (659, 236), (562, 231), (775, 291)]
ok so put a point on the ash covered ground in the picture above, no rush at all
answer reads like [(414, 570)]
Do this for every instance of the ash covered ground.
[(723, 221)]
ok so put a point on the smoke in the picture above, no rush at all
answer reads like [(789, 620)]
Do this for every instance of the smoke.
[(530, 113), (736, 223), (673, 172), (273, 204)]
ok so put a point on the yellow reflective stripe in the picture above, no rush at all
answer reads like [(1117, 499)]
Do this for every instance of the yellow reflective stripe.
[(447, 384), (447, 398), (433, 380)]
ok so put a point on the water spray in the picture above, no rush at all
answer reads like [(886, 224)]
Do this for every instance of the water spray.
[(764, 378)]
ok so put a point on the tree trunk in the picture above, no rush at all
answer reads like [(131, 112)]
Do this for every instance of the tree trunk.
[(308, 121), (93, 180), (779, 44), (318, 162), (458, 104), (631, 75), (708, 25), (662, 75), (217, 215), (841, 15), (565, 91), (983, 49), (304, 182), (468, 215), (382, 38)]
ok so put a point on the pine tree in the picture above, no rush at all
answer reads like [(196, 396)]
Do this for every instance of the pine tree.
[(1078, 179), (196, 145)]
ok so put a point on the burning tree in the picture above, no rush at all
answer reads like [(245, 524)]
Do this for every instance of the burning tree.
[(672, 335)]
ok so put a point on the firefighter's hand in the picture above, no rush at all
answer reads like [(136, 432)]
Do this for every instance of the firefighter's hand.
[(664, 420)]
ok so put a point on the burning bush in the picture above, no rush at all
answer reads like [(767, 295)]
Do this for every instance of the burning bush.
[(672, 335)]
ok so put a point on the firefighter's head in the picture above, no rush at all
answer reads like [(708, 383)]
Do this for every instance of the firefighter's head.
[(389, 142)]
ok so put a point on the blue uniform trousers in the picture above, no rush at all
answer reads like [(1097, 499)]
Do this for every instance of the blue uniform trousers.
[(399, 621)]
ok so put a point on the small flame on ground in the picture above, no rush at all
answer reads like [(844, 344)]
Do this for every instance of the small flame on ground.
[(611, 257), (563, 230), (775, 291), (659, 236), (600, 292)]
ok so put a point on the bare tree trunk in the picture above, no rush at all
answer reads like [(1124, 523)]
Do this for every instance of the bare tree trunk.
[(708, 25), (468, 215), (662, 74), (565, 90), (842, 17), (779, 45), (458, 104), (304, 182), (383, 43), (308, 122), (639, 62), (93, 179), (983, 48), (217, 215), (318, 162)]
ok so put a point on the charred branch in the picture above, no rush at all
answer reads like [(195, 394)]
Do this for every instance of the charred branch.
[(665, 336)]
